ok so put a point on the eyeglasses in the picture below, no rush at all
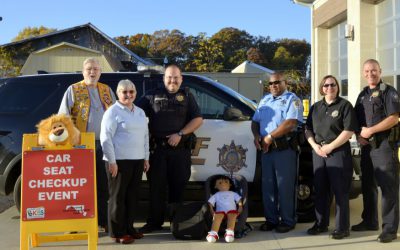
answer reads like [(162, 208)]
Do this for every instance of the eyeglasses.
[(332, 85), (274, 82), (128, 91)]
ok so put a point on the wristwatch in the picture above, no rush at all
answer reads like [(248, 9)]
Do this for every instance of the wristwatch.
[(180, 133)]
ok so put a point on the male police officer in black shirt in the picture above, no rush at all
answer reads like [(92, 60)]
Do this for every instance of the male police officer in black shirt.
[(377, 110), (173, 115)]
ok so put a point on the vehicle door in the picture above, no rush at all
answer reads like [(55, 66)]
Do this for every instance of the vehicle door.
[(224, 141)]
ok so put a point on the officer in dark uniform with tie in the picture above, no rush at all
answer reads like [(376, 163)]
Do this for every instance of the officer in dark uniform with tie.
[(173, 116), (377, 109)]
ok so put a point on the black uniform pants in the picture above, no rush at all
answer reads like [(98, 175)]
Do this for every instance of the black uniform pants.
[(168, 168), (124, 192), (333, 175), (380, 166), (101, 186)]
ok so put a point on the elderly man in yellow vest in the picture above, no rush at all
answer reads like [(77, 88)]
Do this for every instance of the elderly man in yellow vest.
[(86, 101)]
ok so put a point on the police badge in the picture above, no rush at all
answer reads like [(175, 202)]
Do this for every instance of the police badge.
[(179, 97), (335, 113), (375, 94), (232, 158)]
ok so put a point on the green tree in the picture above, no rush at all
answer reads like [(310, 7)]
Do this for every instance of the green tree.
[(267, 48), (234, 43), (29, 32), (192, 43), (8, 66), (296, 83), (208, 57), (284, 60), (299, 52)]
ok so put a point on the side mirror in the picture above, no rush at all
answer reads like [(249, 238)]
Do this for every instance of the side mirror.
[(234, 114)]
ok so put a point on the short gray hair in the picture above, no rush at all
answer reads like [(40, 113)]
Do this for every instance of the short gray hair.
[(372, 61), (91, 60), (124, 84)]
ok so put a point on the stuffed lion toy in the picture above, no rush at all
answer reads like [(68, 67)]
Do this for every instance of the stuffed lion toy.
[(57, 130)]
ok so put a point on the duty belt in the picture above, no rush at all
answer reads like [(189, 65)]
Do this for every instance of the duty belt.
[(163, 143), (376, 139)]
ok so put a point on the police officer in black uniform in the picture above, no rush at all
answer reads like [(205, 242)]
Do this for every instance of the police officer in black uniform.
[(377, 111), (173, 116), (330, 124)]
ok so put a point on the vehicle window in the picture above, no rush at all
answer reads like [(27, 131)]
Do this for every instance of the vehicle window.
[(19, 98), (211, 105)]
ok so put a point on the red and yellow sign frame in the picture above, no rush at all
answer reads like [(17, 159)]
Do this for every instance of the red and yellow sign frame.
[(58, 192)]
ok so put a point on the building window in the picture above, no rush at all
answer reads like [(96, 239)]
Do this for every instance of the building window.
[(388, 38), (344, 87), (338, 66)]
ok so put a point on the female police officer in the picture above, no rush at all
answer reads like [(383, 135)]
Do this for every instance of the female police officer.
[(330, 124)]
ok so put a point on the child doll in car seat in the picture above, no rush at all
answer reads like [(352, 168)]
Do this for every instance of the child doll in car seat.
[(228, 204)]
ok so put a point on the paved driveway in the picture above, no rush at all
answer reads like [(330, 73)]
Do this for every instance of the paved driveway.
[(256, 240)]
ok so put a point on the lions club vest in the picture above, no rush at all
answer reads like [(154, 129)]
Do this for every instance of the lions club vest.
[(80, 109)]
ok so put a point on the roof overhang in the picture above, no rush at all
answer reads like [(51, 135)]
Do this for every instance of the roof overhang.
[(307, 3)]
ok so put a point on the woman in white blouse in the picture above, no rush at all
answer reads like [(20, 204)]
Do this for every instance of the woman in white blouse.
[(124, 137)]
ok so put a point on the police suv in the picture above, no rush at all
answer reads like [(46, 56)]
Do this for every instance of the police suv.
[(224, 142)]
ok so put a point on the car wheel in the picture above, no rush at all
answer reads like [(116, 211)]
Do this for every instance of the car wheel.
[(305, 201), (17, 194)]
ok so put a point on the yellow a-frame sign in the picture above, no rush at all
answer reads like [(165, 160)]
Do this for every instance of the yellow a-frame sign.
[(58, 193)]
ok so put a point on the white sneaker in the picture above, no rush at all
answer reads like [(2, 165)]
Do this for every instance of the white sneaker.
[(229, 236), (212, 237)]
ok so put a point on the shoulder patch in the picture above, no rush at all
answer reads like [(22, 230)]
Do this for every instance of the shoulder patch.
[(395, 97), (297, 103)]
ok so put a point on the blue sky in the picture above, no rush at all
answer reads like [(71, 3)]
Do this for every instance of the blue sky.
[(274, 18)]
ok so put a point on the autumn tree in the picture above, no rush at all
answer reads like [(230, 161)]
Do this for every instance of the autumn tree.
[(254, 55), (138, 44), (29, 32), (171, 44)]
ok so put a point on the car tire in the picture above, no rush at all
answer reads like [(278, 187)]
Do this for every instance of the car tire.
[(305, 201), (17, 194)]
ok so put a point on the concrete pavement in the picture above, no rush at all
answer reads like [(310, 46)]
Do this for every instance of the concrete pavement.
[(255, 240)]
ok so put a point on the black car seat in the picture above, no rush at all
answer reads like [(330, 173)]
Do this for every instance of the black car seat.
[(238, 185)]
